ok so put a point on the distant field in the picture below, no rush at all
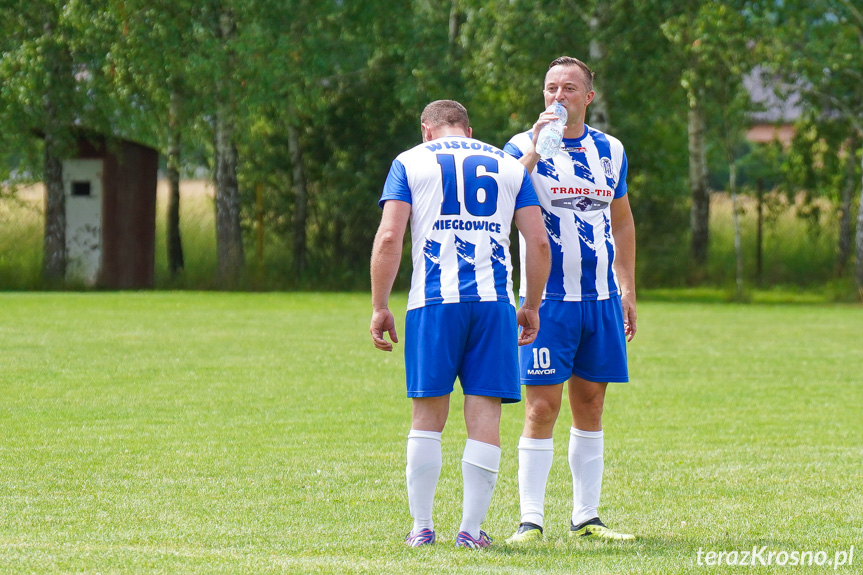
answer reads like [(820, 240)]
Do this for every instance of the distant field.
[(183, 432)]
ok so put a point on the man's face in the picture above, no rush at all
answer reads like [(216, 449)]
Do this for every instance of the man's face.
[(566, 84)]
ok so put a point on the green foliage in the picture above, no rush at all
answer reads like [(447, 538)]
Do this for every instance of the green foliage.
[(640, 80), (813, 164), (710, 40), (829, 77), (760, 166), (351, 78), (830, 83)]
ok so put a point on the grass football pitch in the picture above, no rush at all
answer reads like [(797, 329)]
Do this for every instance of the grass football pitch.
[(263, 433)]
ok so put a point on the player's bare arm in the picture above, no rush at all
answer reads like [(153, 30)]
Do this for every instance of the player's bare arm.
[(386, 257), (623, 229), (538, 263)]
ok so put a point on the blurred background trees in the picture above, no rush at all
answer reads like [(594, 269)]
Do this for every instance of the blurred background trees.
[(294, 109)]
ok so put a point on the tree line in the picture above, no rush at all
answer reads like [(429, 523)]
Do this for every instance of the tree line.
[(297, 107)]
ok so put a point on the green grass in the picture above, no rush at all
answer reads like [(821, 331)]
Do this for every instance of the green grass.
[(237, 433)]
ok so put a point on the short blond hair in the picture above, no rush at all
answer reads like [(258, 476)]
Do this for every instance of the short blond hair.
[(445, 113)]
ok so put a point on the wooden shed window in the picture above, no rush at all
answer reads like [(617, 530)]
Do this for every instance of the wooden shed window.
[(80, 188)]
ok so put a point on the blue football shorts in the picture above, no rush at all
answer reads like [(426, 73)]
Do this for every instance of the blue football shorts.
[(583, 338), (474, 341)]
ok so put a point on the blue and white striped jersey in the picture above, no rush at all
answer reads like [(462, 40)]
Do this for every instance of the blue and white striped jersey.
[(463, 194), (575, 189)]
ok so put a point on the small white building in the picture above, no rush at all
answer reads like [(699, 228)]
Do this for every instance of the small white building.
[(110, 188)]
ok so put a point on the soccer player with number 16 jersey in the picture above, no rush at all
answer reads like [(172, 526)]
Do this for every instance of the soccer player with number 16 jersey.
[(460, 196)]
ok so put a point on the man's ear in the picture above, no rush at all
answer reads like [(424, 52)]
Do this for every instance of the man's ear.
[(426, 132)]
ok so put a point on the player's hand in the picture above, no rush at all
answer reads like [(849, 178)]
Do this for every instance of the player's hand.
[(528, 319), (627, 301), (383, 321), (543, 119)]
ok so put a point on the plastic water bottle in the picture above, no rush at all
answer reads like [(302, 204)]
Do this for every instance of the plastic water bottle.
[(548, 142)]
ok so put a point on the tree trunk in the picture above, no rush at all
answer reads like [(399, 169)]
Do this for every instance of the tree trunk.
[(700, 214), (259, 222), (54, 243), (175, 245), (759, 234), (599, 117), (301, 200), (452, 34), (859, 272), (845, 208), (452, 70), (228, 233), (54, 262), (738, 243), (229, 237)]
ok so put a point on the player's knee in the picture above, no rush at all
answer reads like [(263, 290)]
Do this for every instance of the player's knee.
[(588, 414), (542, 412), (588, 401)]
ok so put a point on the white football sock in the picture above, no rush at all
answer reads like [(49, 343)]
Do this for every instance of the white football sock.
[(424, 462), (479, 467), (534, 463), (586, 464)]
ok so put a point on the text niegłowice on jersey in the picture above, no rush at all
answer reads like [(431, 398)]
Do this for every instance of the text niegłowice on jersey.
[(575, 189), (463, 194)]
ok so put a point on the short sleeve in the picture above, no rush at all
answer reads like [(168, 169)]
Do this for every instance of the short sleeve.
[(620, 189), (513, 150), (396, 187), (526, 195)]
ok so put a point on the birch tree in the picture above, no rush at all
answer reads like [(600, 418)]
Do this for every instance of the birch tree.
[(51, 70), (149, 64), (687, 40)]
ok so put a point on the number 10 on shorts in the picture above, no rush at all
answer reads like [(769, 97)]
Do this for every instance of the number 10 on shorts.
[(541, 358)]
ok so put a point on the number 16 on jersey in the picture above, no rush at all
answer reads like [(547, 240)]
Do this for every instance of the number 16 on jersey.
[(477, 204)]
